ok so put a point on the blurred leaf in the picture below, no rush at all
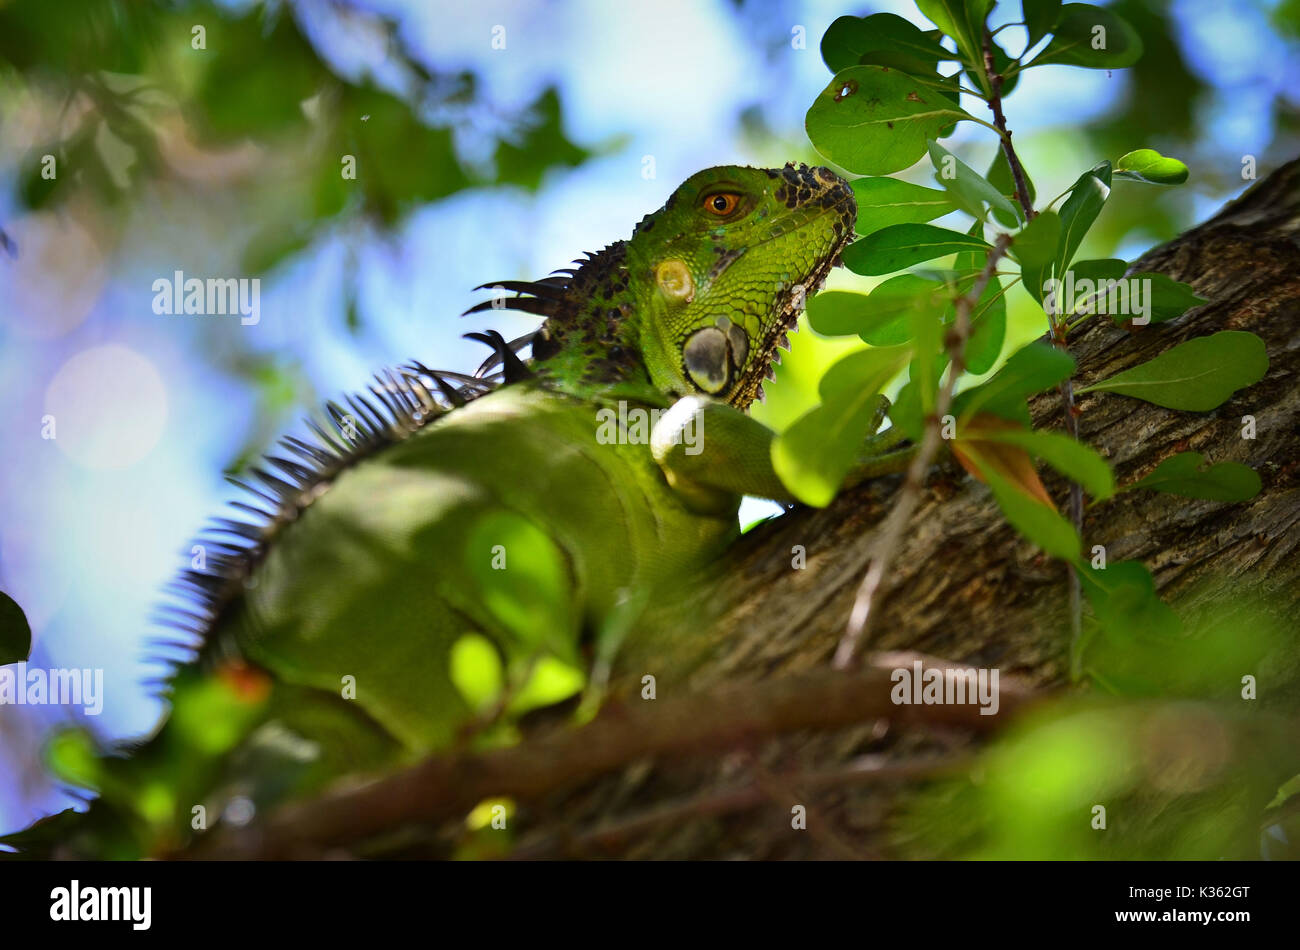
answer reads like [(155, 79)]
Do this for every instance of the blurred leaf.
[(71, 754), (902, 245), (1021, 496), (881, 318), (1197, 376), (1076, 461), (1124, 600), (1040, 17), (1187, 474), (1093, 37), (887, 201), (522, 578), (15, 632), (1029, 370), (542, 146), (476, 670), (813, 455), (1148, 165), (874, 121), (849, 37)]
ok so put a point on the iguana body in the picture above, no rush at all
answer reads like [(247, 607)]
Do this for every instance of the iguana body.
[(327, 626)]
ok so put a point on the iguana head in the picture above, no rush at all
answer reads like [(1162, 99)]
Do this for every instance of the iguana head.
[(726, 266), (701, 296)]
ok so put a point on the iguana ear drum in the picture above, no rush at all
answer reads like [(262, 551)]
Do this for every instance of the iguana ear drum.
[(706, 359)]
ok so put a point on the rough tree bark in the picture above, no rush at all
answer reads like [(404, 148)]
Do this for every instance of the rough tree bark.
[(963, 587)]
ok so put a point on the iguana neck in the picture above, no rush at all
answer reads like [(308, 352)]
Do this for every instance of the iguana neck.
[(589, 342)]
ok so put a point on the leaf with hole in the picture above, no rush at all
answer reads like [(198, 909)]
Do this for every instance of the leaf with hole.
[(874, 121)]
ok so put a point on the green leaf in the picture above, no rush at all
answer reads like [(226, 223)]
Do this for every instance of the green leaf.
[(1073, 459), (1197, 376), (999, 176), (1165, 297), (1079, 211), (873, 120), (1035, 247), (71, 754), (1124, 600), (963, 20), (849, 38), (1093, 37), (1186, 474), (988, 329), (969, 189), (1031, 369), (15, 632), (1033, 519), (814, 454), (887, 201), (1102, 268), (1148, 165), (476, 670), (902, 245), (522, 578), (882, 317), (1040, 17)]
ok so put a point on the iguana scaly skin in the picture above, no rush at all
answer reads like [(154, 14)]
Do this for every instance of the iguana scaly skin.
[(435, 517)]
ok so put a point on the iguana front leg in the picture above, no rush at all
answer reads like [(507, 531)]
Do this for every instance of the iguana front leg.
[(711, 452)]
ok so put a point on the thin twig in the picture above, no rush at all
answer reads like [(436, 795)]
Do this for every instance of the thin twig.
[(865, 770), (444, 787), (909, 496), (1000, 122), (1058, 334)]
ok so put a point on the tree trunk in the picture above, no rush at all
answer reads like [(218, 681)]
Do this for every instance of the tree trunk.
[(963, 586)]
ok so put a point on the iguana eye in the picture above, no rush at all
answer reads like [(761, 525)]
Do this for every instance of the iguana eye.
[(721, 204)]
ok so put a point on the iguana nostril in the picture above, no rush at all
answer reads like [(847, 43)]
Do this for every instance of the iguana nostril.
[(705, 356)]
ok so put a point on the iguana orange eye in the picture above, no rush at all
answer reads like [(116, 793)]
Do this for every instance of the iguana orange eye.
[(721, 204)]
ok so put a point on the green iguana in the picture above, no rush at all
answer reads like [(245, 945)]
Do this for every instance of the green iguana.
[(511, 513)]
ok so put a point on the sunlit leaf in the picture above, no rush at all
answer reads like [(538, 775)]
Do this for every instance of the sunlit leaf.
[(1093, 37), (1148, 165)]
